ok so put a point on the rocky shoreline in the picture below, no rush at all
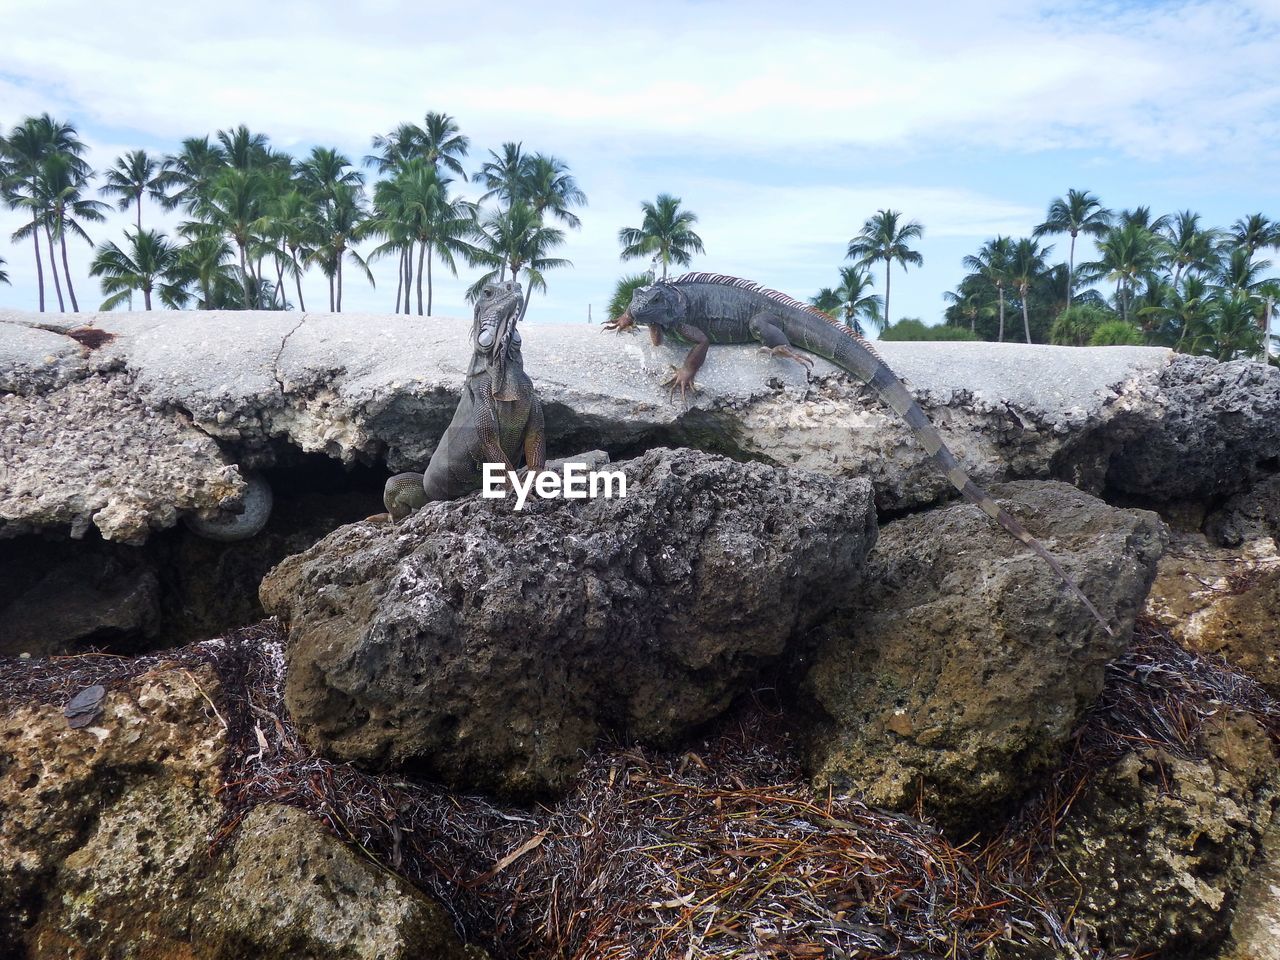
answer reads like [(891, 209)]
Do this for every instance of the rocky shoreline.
[(785, 699)]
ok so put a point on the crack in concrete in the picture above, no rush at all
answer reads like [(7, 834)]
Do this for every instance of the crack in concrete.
[(275, 364)]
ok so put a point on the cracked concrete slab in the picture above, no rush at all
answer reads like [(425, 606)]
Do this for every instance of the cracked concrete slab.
[(380, 388)]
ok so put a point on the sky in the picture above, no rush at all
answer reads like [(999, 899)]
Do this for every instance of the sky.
[(782, 127)]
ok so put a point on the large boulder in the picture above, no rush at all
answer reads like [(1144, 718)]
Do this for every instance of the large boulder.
[(1251, 515), (490, 647), (962, 665), (106, 833), (1154, 852)]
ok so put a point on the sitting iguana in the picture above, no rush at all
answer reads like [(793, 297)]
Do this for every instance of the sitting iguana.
[(499, 418), (707, 308)]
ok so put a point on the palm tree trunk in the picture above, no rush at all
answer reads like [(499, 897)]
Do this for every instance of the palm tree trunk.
[(408, 276), (53, 268), (244, 274), (888, 265), (279, 291), (66, 270), (428, 283), (1000, 335), (137, 202), (1071, 270), (399, 281), (422, 252), (35, 242), (340, 252), (146, 297), (331, 276), (1120, 298), (1026, 323), (297, 279)]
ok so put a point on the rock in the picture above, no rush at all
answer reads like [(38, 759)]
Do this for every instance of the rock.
[(57, 598), (962, 665), (489, 648), (91, 454), (1156, 848), (1139, 421), (34, 360), (1222, 601), (1255, 925), (1251, 515), (104, 847)]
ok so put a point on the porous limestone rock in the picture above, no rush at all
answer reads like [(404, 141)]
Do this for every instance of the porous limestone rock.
[(105, 847), (1251, 515), (1155, 850), (490, 647), (1139, 421), (1223, 601), (962, 665)]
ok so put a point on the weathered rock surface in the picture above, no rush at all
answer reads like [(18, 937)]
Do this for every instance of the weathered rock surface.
[(962, 665), (1223, 601), (489, 647), (1141, 421), (1158, 846), (1255, 925), (93, 454), (104, 848), (1251, 515)]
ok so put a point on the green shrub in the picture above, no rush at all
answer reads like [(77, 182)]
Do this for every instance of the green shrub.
[(1116, 333), (909, 328), (623, 292), (1075, 325)]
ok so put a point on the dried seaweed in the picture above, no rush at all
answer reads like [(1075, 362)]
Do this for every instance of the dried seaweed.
[(721, 851)]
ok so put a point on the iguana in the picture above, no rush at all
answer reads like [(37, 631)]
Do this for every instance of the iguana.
[(499, 418), (707, 308)]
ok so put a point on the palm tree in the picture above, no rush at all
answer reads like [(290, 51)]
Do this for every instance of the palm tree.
[(1255, 232), (151, 262), (1183, 310), (548, 187), (1239, 272), (1127, 253), (24, 152), (1026, 264), (243, 149), (1189, 247), (189, 174), (854, 300), (394, 148), (62, 183), (516, 239), (441, 143), (234, 205), (338, 226), (415, 208), (968, 303), (294, 217), (503, 173), (1076, 213), (882, 238), (1140, 217), (4, 276), (992, 264), (204, 262), (324, 171), (134, 176), (826, 300), (664, 231), (623, 291)]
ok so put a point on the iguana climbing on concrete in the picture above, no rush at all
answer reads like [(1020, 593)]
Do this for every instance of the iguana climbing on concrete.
[(707, 308), (499, 418)]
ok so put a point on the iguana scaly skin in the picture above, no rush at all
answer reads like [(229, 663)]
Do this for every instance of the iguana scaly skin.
[(707, 308), (403, 494), (499, 418)]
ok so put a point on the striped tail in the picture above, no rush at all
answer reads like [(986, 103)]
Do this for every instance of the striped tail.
[(890, 389)]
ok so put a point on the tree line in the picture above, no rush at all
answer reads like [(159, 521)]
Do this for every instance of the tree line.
[(1165, 280)]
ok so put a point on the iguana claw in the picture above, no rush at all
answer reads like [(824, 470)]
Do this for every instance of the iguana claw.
[(619, 324), (780, 351), (683, 380)]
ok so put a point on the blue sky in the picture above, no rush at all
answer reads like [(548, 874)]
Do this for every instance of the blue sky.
[(784, 129)]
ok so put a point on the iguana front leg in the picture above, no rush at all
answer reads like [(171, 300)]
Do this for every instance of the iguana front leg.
[(535, 439), (682, 377)]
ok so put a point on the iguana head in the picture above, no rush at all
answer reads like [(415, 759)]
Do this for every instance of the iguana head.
[(495, 335), (659, 304)]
